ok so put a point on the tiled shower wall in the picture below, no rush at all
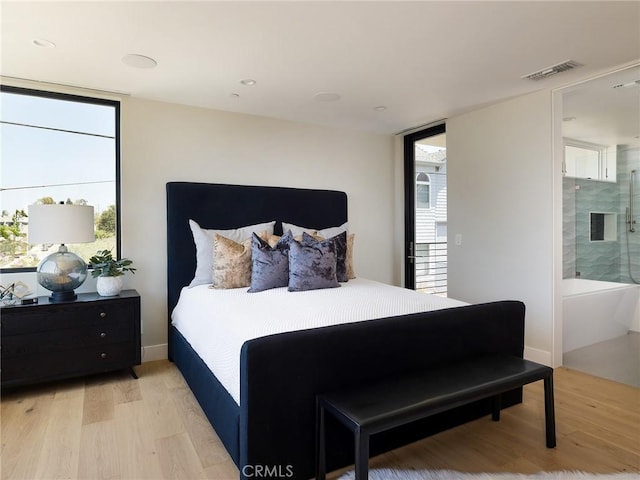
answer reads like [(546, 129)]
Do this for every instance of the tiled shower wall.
[(606, 260)]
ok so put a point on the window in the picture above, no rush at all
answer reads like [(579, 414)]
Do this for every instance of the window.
[(56, 148), (423, 190), (588, 160)]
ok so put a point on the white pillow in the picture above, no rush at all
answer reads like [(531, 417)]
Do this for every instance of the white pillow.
[(203, 239), (326, 232)]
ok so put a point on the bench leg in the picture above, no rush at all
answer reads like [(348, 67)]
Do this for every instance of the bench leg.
[(362, 455), (549, 412), (320, 440), (497, 403)]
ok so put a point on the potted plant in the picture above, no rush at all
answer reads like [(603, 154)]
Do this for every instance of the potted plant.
[(109, 272)]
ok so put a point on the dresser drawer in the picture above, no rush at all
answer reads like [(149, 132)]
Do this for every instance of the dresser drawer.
[(21, 321), (67, 339), (81, 361)]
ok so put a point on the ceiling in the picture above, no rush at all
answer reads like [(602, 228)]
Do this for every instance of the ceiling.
[(604, 110), (423, 61)]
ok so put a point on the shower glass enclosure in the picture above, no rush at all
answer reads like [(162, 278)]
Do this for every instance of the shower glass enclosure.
[(601, 183)]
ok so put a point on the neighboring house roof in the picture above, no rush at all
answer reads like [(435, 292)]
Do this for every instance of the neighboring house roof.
[(436, 158)]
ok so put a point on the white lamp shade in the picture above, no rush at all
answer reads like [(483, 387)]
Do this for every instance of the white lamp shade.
[(60, 223)]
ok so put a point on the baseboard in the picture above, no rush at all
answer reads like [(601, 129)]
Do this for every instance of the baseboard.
[(537, 355), (151, 353)]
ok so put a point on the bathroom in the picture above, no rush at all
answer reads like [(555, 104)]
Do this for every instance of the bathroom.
[(601, 226)]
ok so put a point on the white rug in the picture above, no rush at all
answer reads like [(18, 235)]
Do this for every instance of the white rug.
[(389, 474)]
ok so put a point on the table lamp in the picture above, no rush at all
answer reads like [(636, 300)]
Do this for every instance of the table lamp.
[(62, 271)]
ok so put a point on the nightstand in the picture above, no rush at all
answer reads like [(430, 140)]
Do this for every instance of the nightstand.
[(49, 341)]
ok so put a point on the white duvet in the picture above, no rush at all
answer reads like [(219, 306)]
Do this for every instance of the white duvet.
[(217, 322)]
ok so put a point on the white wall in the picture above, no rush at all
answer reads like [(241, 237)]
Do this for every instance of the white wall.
[(500, 167)]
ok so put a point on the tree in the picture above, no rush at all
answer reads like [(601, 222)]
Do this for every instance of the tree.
[(11, 234), (106, 223), (45, 201)]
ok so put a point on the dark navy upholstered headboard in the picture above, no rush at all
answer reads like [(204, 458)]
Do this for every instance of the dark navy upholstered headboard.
[(218, 206)]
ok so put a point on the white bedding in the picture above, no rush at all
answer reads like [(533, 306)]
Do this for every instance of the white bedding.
[(217, 322)]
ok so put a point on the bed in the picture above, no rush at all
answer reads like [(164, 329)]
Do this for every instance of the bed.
[(273, 424)]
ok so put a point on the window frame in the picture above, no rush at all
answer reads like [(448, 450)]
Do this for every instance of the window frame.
[(602, 163), (80, 99), (423, 183)]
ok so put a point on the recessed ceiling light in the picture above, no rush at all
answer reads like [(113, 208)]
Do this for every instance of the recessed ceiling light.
[(139, 61), (42, 43), (380, 108), (326, 97), (249, 82)]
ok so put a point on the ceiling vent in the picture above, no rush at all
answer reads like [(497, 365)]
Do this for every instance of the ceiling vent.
[(552, 70)]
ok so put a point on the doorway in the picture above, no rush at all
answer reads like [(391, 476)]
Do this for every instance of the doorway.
[(425, 186), (598, 141)]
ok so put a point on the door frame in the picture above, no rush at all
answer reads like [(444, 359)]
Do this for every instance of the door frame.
[(410, 199)]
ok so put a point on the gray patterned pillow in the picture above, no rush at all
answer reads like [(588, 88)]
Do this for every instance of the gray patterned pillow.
[(341, 251), (270, 265), (312, 267)]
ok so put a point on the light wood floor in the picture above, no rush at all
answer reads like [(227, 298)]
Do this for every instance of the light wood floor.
[(115, 427)]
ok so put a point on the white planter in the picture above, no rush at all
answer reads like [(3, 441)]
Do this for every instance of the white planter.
[(109, 286)]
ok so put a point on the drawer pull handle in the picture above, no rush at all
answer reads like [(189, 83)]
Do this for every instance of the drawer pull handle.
[(103, 355), (103, 314), (103, 334)]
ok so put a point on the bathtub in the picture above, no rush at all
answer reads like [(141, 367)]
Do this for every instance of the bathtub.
[(594, 311)]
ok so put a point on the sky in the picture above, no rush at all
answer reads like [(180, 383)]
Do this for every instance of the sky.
[(53, 158)]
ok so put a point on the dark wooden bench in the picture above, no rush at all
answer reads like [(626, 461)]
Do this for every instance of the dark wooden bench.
[(373, 408)]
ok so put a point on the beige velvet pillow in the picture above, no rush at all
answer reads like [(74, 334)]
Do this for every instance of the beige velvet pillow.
[(231, 263), (350, 271), (273, 240)]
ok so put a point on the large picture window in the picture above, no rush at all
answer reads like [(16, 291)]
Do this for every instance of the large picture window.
[(56, 148)]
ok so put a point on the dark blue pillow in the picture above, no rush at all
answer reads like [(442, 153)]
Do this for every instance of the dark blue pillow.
[(270, 266), (341, 252), (312, 267)]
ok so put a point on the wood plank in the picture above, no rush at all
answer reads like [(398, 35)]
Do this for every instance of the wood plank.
[(160, 406), (136, 435), (25, 417), (60, 452), (178, 458), (98, 399), (126, 389), (99, 451), (137, 453), (207, 444)]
